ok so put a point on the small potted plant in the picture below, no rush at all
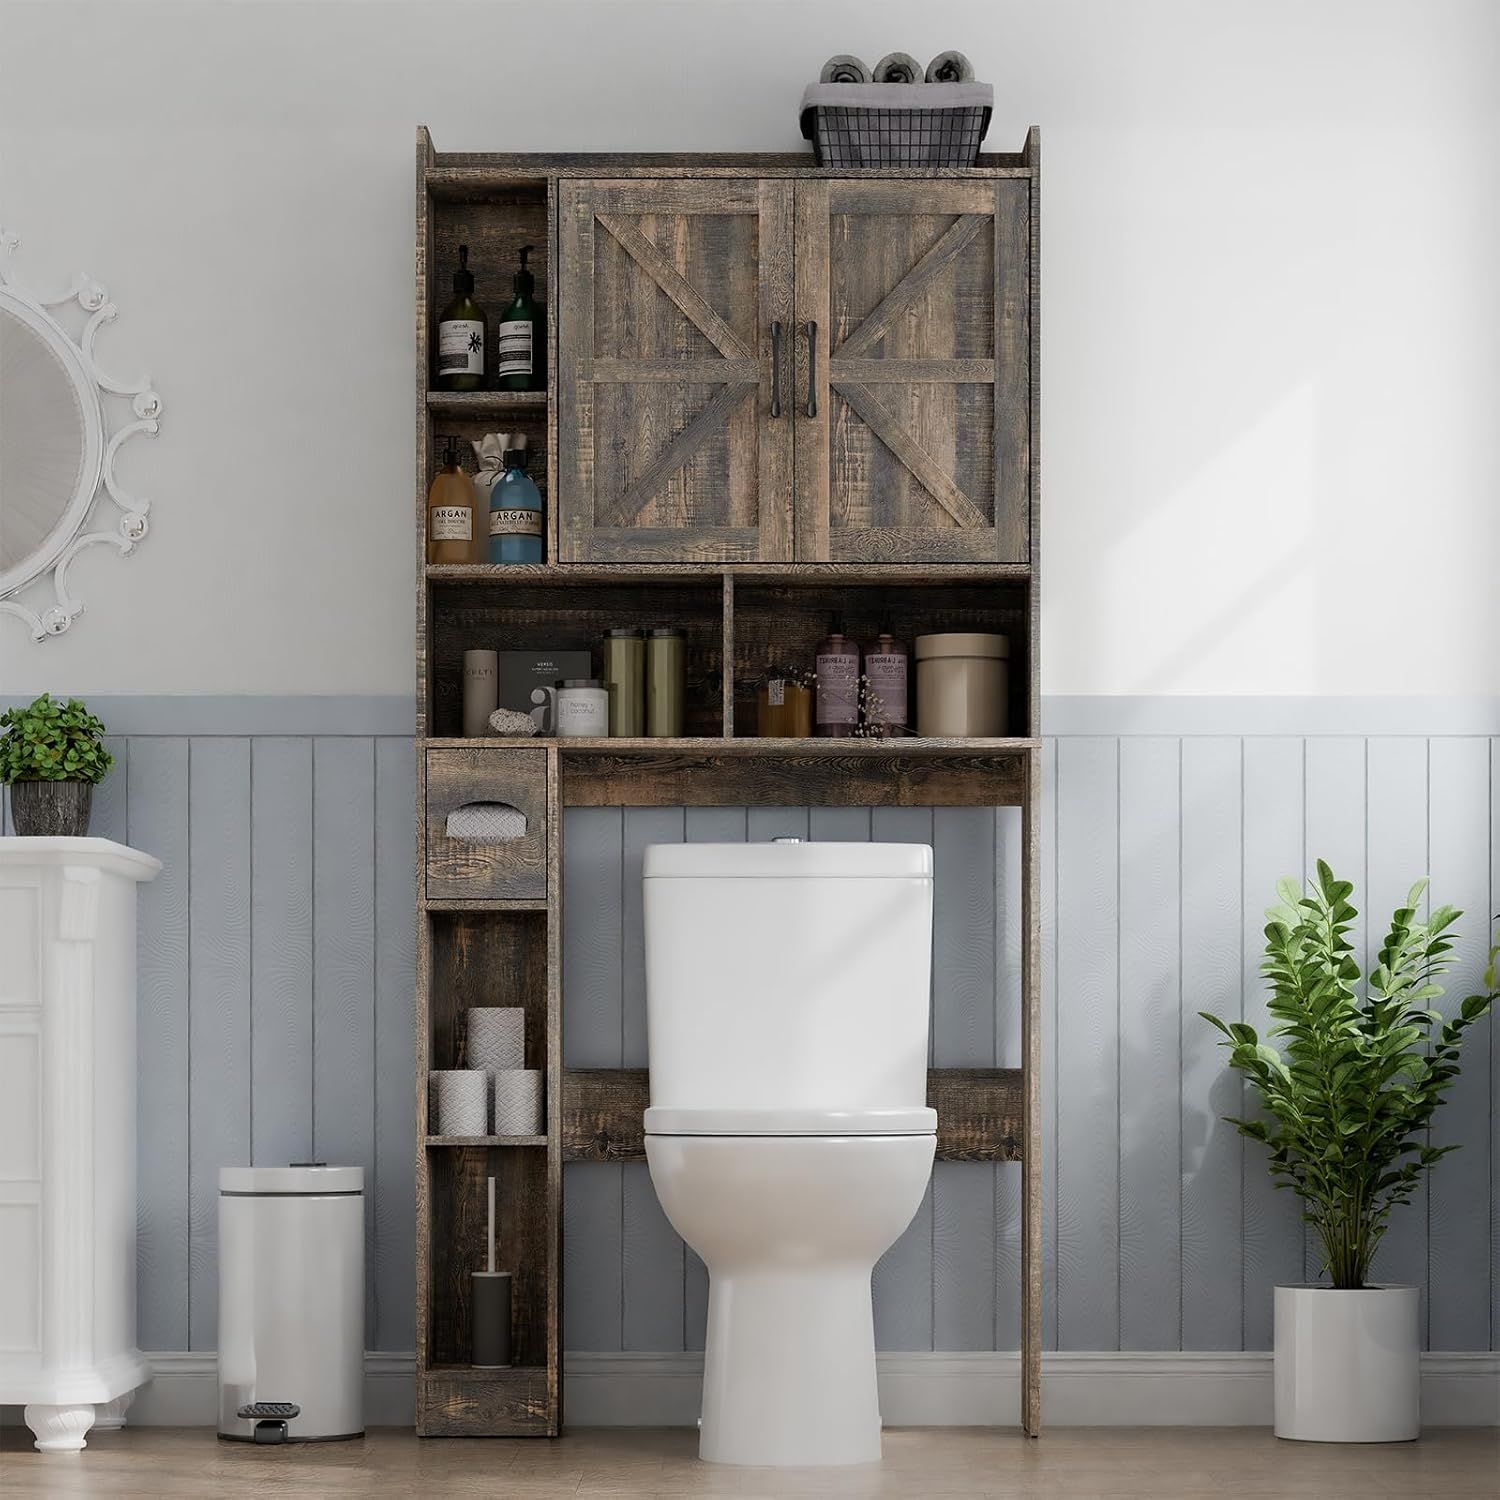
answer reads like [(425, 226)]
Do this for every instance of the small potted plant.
[(1347, 1100), (52, 756)]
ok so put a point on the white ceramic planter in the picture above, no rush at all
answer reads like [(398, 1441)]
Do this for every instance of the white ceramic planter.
[(1348, 1364)]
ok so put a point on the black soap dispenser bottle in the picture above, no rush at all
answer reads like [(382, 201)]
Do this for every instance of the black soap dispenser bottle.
[(460, 351), (521, 338)]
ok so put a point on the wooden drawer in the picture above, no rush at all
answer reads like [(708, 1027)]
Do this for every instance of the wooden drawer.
[(475, 868)]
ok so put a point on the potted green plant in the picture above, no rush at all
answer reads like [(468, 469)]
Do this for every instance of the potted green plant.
[(1347, 1098), (52, 756)]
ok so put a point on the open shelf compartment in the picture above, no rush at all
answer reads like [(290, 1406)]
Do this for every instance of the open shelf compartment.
[(780, 622), (494, 223), (488, 958), (533, 615)]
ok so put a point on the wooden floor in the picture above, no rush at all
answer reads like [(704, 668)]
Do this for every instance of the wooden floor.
[(1235, 1463)]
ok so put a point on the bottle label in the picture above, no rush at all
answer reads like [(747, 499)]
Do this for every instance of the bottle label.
[(887, 674), (513, 347), (776, 692), (838, 689), (461, 347), (522, 522), (451, 523)]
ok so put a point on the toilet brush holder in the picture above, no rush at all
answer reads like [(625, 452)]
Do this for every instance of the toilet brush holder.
[(457, 1100), (490, 1308), (489, 1305), (496, 1037), (518, 1101)]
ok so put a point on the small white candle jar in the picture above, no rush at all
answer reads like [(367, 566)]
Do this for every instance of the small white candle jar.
[(580, 707)]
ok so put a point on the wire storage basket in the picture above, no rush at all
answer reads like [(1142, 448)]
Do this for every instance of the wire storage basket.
[(896, 124)]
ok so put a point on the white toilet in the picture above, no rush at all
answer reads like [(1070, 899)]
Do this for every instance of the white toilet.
[(788, 1135)]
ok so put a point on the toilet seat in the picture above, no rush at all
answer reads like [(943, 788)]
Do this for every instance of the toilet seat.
[(667, 1120)]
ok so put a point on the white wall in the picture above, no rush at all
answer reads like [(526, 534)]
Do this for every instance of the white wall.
[(1270, 365)]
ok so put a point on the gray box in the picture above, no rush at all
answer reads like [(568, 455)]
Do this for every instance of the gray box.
[(521, 671)]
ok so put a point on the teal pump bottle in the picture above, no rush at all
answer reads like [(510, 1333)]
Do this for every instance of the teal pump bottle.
[(515, 509)]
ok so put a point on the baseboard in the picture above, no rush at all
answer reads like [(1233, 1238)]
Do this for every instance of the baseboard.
[(984, 1389), (916, 1390), (184, 1391)]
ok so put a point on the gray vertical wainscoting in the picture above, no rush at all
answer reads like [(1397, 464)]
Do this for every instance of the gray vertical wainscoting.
[(276, 962), (276, 967), (1160, 855)]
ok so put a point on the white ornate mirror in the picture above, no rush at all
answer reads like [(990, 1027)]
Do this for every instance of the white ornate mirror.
[(58, 445)]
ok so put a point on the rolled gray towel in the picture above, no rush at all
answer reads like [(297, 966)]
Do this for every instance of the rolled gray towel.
[(950, 67), (844, 68), (898, 67)]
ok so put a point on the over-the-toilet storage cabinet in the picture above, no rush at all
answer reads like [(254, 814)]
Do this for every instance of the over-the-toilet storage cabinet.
[(775, 394), (67, 1130)]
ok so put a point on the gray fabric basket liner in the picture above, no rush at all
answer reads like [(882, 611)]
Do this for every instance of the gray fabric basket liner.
[(894, 96), (486, 823)]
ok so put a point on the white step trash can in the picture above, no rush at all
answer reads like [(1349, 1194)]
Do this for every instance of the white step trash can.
[(291, 1303)]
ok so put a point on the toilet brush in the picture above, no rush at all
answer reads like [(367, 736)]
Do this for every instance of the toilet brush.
[(490, 1304)]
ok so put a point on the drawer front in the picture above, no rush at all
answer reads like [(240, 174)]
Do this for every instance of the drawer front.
[(477, 846)]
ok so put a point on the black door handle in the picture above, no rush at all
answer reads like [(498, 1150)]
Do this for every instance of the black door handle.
[(812, 368), (775, 369)]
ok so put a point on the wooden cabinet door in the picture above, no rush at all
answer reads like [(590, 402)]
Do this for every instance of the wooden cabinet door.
[(919, 448), (669, 449)]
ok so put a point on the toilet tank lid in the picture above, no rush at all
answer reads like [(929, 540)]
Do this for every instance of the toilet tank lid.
[(303, 1179), (788, 861)]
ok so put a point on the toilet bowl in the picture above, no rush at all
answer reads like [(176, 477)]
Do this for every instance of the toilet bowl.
[(788, 1135)]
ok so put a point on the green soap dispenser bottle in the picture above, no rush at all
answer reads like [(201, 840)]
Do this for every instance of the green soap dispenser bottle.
[(521, 338), (460, 352)]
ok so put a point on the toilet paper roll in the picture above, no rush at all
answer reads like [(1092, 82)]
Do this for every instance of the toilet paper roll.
[(518, 1101), (497, 1037), (457, 1099)]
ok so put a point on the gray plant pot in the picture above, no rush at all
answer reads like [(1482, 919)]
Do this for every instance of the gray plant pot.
[(51, 809)]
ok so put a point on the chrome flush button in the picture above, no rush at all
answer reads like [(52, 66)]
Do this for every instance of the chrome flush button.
[(787, 840)]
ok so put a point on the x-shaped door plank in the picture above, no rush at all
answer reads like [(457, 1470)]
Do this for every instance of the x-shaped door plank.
[(911, 453), (681, 449), (905, 292), (688, 300)]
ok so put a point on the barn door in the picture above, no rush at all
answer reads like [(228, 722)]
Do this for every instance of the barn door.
[(675, 298), (913, 371)]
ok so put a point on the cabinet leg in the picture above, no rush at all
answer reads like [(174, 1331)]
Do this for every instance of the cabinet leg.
[(59, 1429), (110, 1416)]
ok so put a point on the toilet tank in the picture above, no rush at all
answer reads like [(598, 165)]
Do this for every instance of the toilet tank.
[(789, 975)]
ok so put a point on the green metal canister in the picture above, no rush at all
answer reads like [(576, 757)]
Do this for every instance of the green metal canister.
[(625, 679), (666, 663)]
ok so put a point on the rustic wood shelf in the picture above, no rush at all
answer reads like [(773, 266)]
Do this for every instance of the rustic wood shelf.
[(897, 488), (482, 904), (483, 403), (486, 1140), (749, 745), (981, 1113), (792, 574), (476, 177)]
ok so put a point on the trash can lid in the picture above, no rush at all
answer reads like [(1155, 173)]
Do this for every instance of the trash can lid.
[(310, 1179)]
